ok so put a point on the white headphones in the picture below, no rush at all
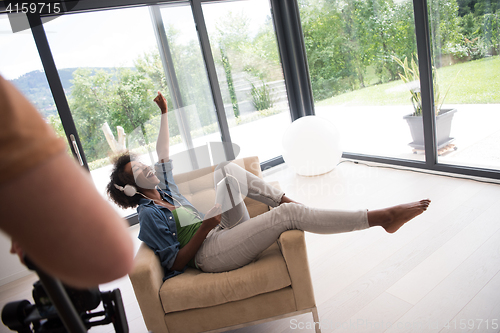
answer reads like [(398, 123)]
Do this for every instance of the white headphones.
[(129, 190)]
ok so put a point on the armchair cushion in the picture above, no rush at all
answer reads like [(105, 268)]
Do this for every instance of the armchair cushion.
[(194, 289)]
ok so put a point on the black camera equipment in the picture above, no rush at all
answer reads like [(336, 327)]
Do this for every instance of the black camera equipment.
[(62, 309)]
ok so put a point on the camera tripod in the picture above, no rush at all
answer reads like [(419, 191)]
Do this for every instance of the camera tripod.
[(60, 309)]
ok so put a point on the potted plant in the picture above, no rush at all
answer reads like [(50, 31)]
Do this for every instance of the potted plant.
[(444, 117)]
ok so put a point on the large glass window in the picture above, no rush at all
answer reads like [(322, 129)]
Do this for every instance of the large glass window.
[(191, 93), (96, 55), (112, 62), (114, 69), (243, 44), (466, 48), (357, 51)]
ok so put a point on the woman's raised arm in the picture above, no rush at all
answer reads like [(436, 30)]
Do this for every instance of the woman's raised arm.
[(163, 141)]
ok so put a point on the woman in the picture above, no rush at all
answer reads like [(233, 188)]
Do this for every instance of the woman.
[(181, 236)]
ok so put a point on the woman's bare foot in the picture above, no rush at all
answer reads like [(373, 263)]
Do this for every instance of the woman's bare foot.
[(393, 218)]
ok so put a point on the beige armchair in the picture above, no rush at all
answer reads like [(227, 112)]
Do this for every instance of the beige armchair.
[(276, 285)]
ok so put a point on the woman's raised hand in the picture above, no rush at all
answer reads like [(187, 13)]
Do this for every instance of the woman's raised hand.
[(161, 102)]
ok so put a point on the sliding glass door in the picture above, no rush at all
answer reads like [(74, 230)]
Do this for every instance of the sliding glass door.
[(357, 51), (466, 47), (243, 44), (365, 63), (114, 69)]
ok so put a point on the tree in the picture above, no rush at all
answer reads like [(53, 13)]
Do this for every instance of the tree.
[(358, 34), (444, 22), (465, 7), (229, 79), (328, 50), (232, 34), (132, 104), (192, 79), (89, 102), (56, 124), (263, 54), (150, 65), (491, 31), (482, 7), (388, 25), (121, 97)]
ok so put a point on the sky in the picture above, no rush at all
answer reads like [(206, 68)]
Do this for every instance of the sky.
[(104, 39), (107, 38)]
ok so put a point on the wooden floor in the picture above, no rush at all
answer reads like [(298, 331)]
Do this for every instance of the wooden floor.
[(438, 273)]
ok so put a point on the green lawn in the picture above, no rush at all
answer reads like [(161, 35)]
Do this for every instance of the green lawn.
[(478, 82)]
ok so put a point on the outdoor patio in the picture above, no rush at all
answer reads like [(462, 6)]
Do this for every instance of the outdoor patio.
[(381, 130)]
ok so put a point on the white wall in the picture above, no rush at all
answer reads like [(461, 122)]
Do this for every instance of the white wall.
[(10, 267)]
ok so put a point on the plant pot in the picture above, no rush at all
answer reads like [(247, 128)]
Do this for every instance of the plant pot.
[(443, 129)]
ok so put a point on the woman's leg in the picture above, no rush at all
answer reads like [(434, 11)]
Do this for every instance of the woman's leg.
[(233, 184), (229, 249)]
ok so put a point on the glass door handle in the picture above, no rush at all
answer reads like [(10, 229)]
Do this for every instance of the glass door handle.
[(75, 147)]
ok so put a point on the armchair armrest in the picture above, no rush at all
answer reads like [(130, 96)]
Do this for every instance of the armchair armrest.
[(293, 247), (147, 278)]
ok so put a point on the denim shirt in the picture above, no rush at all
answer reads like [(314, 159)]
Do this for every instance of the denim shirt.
[(157, 223)]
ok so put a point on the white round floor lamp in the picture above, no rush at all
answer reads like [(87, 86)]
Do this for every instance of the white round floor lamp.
[(311, 146)]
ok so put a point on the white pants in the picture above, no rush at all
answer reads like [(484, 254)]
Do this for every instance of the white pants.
[(240, 239)]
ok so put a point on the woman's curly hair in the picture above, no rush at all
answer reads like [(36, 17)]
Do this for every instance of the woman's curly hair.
[(121, 178)]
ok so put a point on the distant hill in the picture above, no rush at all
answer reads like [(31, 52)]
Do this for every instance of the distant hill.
[(35, 87)]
